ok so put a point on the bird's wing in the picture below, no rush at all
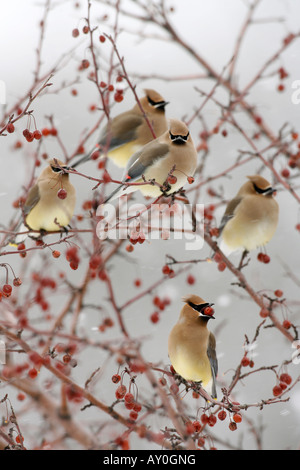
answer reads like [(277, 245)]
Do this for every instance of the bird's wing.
[(123, 130), (211, 353), (229, 212), (32, 199), (145, 158)]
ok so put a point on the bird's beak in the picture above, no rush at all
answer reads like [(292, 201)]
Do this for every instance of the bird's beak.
[(271, 191), (208, 316)]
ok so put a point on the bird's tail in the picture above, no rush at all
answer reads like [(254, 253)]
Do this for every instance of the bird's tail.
[(19, 237)]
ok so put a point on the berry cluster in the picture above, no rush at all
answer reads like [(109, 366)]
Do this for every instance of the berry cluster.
[(72, 257), (263, 258), (160, 304), (130, 402), (219, 260), (42, 283), (284, 380)]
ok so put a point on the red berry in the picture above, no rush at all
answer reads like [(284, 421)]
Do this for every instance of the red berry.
[(204, 419), (245, 361), (286, 378), (154, 317), (95, 155), (21, 396), (172, 179), (120, 392), (45, 132), (281, 87), (266, 259), (260, 257), (7, 289), (85, 29), (133, 415), (118, 97), (278, 293), (285, 172), (56, 254), (37, 135), (232, 426), (286, 324), (191, 280), (189, 427), (264, 313), (197, 426), (137, 283), (74, 265), (217, 258), (102, 38), (237, 418), (85, 64), (129, 398), (221, 266), (17, 282), (62, 193), (222, 415), (166, 269), (201, 442), (95, 261), (10, 128), (212, 420), (32, 373), (75, 32), (190, 179), (282, 385), (277, 390), (209, 311), (19, 439)]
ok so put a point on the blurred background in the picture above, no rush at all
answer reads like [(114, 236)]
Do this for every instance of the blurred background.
[(212, 28)]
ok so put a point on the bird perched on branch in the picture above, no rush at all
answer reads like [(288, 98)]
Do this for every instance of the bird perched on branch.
[(192, 347), (166, 161), (251, 217), (50, 202), (129, 131)]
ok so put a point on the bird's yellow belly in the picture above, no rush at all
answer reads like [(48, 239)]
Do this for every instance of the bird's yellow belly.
[(43, 218), (192, 368), (250, 237), (122, 154)]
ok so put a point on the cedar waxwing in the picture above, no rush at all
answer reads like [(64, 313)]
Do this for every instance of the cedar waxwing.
[(173, 153), (129, 131), (192, 347), (51, 201), (251, 217)]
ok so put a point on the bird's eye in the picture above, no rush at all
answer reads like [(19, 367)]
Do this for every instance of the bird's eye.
[(56, 169), (150, 101), (262, 191), (179, 138), (199, 308)]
